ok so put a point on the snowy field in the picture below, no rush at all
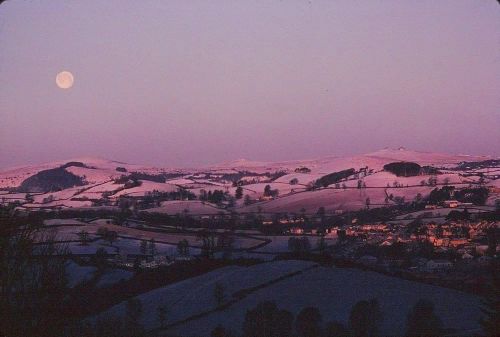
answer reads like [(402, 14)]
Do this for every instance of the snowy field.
[(193, 207), (334, 291), (77, 274), (195, 295)]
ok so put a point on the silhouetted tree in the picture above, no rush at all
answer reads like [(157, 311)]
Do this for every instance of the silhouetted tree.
[(219, 331), (308, 322), (144, 247), (365, 318), (133, 313), (335, 329), (84, 238), (266, 320), (152, 247), (239, 192), (111, 236), (247, 200), (422, 321), (33, 282), (183, 247)]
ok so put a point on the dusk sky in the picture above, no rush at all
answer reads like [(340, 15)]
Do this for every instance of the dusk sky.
[(183, 83)]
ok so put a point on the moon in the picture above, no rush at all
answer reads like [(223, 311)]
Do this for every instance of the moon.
[(64, 80)]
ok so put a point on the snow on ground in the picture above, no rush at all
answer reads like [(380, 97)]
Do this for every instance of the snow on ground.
[(196, 295), (56, 222), (192, 206), (180, 181), (113, 276), (77, 274), (93, 176), (441, 212), (334, 291), (91, 248), (302, 178), (100, 188), (132, 246), (283, 188), (59, 195), (131, 236), (331, 199), (61, 203), (147, 186)]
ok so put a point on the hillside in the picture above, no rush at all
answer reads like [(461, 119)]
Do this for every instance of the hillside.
[(336, 183)]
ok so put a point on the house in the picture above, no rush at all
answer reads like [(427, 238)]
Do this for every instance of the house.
[(296, 230), (332, 232), (455, 242), (438, 265), (452, 203), (467, 256)]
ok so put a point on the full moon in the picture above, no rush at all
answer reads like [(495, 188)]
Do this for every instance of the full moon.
[(64, 80)]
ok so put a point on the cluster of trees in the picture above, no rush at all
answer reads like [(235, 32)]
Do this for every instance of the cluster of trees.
[(148, 247), (477, 196), (365, 319), (50, 181), (107, 235), (333, 178), (158, 178), (236, 178), (403, 169), (212, 242), (128, 181), (467, 165), (183, 247), (215, 197), (155, 197), (269, 192), (299, 245), (302, 169)]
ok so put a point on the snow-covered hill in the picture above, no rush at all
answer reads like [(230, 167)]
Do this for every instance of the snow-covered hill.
[(100, 178)]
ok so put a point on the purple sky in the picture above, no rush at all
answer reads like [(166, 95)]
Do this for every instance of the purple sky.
[(182, 83)]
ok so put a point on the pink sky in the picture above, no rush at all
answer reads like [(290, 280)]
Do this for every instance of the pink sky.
[(182, 83)]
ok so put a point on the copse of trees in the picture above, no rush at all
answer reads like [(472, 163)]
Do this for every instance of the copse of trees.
[(238, 194), (50, 181), (302, 169), (215, 197), (333, 178), (475, 195), (269, 192), (267, 320), (309, 322), (403, 169), (365, 318), (299, 245), (422, 321)]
